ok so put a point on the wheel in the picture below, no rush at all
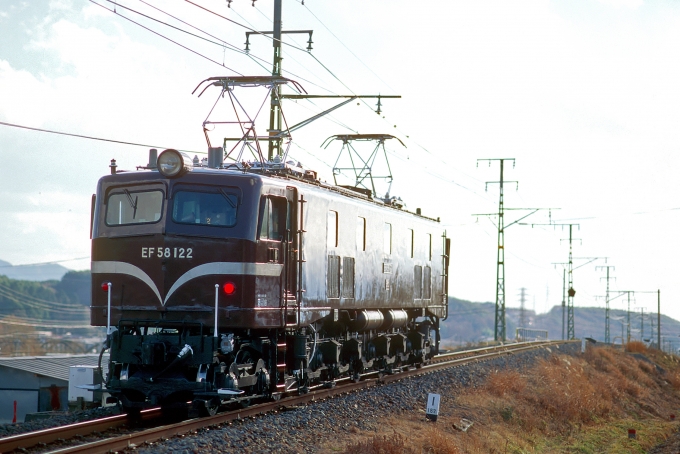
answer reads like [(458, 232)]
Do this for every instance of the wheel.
[(211, 407), (133, 413)]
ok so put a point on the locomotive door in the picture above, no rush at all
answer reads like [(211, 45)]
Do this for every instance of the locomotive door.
[(290, 260)]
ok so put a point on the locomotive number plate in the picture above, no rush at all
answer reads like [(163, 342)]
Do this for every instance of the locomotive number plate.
[(167, 252)]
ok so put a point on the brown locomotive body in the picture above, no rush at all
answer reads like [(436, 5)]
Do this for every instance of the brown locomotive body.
[(225, 285)]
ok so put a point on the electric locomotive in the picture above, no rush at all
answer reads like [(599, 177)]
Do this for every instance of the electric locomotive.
[(224, 283)]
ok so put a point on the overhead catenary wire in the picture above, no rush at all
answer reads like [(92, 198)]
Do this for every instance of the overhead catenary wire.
[(387, 85), (224, 44), (46, 263), (241, 25), (25, 298), (51, 131), (18, 321), (250, 28), (345, 46), (165, 37), (82, 310)]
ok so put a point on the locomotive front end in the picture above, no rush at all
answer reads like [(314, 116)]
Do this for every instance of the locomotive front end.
[(172, 264)]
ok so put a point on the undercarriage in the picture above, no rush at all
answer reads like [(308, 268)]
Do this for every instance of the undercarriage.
[(184, 365)]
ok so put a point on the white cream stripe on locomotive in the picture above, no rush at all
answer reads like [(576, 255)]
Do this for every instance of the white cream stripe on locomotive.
[(207, 269), (125, 268), (239, 268)]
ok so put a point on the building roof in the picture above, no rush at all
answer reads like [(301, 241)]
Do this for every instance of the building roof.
[(56, 366)]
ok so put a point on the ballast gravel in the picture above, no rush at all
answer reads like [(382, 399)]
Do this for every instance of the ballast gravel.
[(307, 428)]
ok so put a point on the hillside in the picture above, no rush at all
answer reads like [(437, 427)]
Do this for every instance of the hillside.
[(26, 305), (43, 272), (563, 403), (470, 322)]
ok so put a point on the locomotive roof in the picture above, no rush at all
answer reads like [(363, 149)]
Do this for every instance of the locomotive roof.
[(266, 176)]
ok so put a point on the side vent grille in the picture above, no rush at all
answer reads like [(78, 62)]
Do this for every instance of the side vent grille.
[(418, 281), (348, 277), (427, 283), (333, 278)]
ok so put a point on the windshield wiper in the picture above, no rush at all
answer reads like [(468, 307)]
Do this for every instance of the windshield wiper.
[(227, 196), (133, 204)]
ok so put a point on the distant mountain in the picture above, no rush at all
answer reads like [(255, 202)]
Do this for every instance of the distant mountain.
[(470, 322), (58, 306), (46, 272)]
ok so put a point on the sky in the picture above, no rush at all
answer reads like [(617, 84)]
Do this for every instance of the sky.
[(583, 95)]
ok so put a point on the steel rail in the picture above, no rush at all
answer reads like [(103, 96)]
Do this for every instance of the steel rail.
[(319, 393), (53, 434)]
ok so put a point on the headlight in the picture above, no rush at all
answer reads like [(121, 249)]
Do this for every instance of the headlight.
[(172, 163)]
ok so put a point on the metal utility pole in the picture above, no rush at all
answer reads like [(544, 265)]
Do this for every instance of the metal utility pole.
[(628, 319), (275, 116), (627, 292), (564, 289), (571, 292), (499, 323), (278, 130), (522, 315), (607, 338), (658, 314), (564, 292), (570, 272)]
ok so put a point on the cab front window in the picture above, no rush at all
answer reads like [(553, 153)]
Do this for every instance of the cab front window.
[(205, 208), (134, 207)]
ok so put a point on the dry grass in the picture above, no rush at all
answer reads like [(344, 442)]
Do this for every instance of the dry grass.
[(394, 444), (439, 442), (636, 347), (428, 439), (674, 379), (562, 404)]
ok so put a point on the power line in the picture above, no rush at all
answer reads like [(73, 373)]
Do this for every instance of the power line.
[(348, 49), (295, 47), (164, 37), (241, 25), (50, 131), (46, 263), (12, 294), (231, 46), (296, 76), (17, 321)]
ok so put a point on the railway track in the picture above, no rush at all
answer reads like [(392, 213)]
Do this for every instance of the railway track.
[(72, 434)]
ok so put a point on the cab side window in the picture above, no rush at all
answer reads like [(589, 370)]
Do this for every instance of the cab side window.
[(273, 218)]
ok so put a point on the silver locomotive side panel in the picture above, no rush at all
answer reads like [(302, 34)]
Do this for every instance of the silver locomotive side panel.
[(359, 254)]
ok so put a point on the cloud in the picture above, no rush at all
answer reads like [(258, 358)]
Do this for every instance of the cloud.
[(22, 94), (623, 4)]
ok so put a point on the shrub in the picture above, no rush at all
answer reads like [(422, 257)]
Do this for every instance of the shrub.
[(636, 347), (439, 443), (396, 444), (504, 382)]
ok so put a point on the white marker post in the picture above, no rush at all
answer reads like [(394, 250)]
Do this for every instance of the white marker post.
[(432, 407)]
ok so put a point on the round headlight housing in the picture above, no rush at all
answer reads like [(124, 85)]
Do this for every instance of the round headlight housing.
[(173, 163)]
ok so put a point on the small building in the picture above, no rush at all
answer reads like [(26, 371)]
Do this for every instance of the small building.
[(30, 384)]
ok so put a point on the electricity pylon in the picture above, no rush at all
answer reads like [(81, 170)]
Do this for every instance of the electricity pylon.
[(607, 338), (499, 323)]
